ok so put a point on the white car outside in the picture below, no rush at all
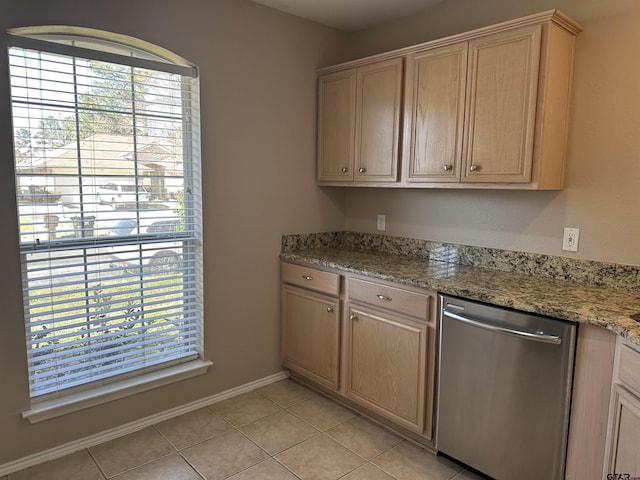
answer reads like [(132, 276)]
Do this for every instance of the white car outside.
[(121, 194), (157, 256)]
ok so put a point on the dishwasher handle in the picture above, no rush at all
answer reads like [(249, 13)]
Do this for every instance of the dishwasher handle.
[(537, 337)]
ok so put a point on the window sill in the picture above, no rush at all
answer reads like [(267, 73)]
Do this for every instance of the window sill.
[(96, 396)]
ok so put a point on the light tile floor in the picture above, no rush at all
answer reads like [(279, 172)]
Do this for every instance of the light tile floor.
[(281, 431)]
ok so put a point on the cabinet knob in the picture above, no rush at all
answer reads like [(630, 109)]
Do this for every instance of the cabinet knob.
[(353, 316), (474, 168), (362, 170), (329, 309), (307, 277), (384, 297), (448, 168), (344, 169)]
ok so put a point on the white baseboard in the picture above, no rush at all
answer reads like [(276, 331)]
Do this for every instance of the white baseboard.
[(113, 433)]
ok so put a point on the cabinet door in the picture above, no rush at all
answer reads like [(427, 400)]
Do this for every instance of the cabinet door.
[(385, 365), (311, 335), (378, 121), (435, 93), (624, 448), (336, 125), (501, 106)]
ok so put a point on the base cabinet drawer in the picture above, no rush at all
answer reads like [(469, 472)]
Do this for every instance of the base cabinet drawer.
[(385, 365), (391, 298), (311, 335), (311, 278)]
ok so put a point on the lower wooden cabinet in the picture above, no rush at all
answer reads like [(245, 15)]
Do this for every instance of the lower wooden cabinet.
[(625, 439), (386, 365), (623, 451), (311, 335), (376, 353)]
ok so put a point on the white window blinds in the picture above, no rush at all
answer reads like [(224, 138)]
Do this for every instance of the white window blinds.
[(109, 211)]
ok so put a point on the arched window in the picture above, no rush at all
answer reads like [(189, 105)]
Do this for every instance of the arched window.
[(107, 163)]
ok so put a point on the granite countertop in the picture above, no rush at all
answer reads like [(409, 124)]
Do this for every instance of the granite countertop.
[(602, 305)]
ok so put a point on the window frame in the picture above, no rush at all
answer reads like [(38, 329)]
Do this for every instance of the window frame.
[(155, 58)]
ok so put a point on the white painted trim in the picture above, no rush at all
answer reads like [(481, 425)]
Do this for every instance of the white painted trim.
[(63, 405), (117, 432)]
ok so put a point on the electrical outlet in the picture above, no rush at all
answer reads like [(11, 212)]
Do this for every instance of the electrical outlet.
[(570, 239), (382, 222)]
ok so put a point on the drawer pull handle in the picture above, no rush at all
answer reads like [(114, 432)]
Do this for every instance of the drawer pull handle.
[(307, 277), (329, 309), (384, 297), (353, 316)]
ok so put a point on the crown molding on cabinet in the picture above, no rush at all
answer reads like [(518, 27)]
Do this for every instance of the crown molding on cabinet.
[(554, 15)]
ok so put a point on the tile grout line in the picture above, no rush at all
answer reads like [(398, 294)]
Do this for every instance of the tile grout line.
[(269, 455), (201, 475), (366, 461), (179, 451), (318, 432), (327, 435), (232, 427), (173, 447), (237, 429), (402, 440), (139, 466), (287, 406), (285, 467), (306, 422), (93, 459), (175, 450), (370, 461)]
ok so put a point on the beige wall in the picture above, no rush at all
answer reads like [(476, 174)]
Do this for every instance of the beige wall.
[(258, 128), (602, 194), (258, 87)]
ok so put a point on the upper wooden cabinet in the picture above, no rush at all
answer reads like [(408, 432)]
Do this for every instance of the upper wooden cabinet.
[(435, 93), (359, 123), (482, 109), (501, 106), (336, 125), (472, 109)]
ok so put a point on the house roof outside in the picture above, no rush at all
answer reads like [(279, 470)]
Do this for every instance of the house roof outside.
[(107, 154)]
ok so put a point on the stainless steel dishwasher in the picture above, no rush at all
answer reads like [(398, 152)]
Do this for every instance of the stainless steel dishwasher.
[(504, 390)]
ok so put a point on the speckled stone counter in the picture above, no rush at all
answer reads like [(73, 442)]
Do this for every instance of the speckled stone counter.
[(607, 295)]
